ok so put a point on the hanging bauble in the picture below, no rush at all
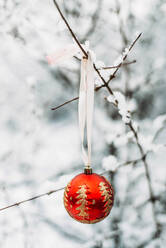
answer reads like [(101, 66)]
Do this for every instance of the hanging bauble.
[(88, 198)]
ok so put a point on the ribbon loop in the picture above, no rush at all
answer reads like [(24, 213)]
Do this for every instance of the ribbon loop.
[(85, 105)]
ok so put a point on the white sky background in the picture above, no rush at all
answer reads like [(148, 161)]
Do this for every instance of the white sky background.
[(40, 151)]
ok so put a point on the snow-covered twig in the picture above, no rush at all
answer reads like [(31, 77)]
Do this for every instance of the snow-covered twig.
[(124, 56)]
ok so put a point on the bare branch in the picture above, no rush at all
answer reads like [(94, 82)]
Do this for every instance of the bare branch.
[(69, 28)]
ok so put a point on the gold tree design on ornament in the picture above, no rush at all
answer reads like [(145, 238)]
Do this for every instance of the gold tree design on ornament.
[(82, 196), (107, 197), (66, 195)]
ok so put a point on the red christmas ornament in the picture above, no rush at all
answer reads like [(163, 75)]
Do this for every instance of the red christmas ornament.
[(88, 197)]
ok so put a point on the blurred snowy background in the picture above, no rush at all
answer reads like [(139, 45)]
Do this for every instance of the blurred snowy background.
[(40, 148)]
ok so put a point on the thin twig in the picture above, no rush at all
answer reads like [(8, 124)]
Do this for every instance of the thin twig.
[(104, 81), (116, 66), (74, 99), (71, 31), (31, 199)]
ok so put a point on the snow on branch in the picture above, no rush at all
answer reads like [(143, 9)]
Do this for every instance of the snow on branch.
[(122, 105)]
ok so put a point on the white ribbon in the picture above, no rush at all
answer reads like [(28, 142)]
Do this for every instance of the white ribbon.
[(85, 105)]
